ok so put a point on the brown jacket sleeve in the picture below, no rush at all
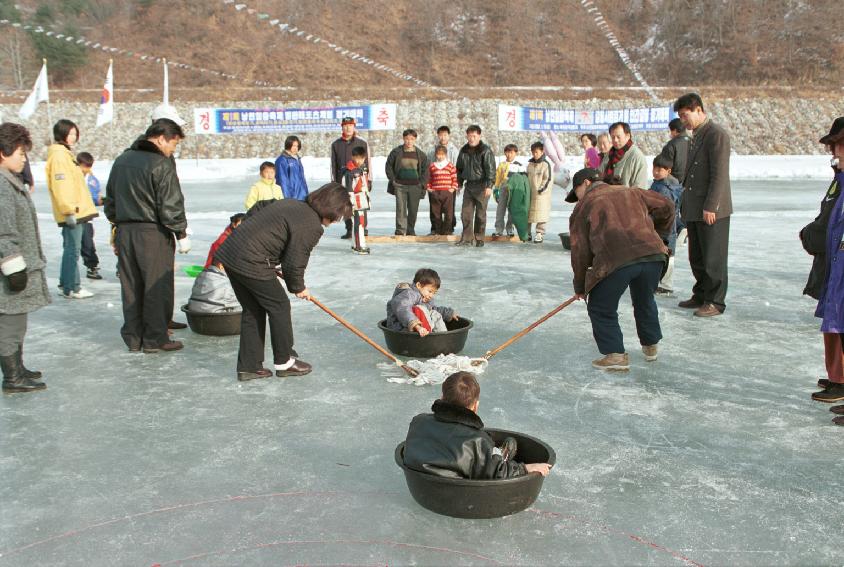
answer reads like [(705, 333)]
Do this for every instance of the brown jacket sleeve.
[(581, 252)]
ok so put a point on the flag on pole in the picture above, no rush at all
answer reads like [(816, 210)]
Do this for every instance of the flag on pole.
[(105, 114), (166, 84), (40, 93)]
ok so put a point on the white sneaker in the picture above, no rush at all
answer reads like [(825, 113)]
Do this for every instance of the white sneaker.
[(538, 238), (81, 294)]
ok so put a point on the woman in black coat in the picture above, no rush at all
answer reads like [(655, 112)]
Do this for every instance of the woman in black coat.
[(276, 242)]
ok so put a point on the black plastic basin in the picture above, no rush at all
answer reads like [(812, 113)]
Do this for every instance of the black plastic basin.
[(463, 498), (566, 239), (218, 324), (406, 343)]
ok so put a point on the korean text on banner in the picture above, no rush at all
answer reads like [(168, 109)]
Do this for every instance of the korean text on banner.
[(516, 118), (279, 120)]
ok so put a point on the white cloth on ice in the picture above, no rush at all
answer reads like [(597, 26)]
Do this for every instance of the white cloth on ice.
[(432, 370)]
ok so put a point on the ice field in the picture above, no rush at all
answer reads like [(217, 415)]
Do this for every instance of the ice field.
[(713, 455)]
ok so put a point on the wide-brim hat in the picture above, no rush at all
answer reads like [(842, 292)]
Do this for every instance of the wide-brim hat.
[(836, 133), (166, 111)]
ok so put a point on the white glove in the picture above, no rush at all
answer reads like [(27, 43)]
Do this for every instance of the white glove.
[(184, 245), (70, 221)]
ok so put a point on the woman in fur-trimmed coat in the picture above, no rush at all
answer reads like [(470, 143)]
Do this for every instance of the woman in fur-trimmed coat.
[(23, 288)]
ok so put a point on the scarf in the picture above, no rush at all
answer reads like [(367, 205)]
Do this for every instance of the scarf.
[(615, 157)]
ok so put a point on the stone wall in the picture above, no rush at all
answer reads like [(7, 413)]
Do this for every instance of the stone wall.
[(758, 126)]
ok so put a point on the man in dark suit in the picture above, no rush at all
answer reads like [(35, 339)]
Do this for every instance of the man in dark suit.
[(706, 206)]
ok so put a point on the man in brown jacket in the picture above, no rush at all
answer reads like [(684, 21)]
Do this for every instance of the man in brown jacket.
[(706, 206), (615, 245)]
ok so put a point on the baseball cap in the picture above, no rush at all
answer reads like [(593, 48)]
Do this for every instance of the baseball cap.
[(347, 120), (587, 173)]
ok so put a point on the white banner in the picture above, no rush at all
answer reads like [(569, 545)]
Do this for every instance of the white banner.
[(40, 93)]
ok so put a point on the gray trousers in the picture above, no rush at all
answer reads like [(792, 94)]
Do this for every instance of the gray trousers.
[(12, 331), (407, 206), (473, 213), (501, 211)]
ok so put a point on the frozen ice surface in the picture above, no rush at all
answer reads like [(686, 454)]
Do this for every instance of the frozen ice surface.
[(714, 454)]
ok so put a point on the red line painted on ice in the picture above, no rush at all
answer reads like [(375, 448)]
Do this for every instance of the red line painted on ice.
[(633, 537)]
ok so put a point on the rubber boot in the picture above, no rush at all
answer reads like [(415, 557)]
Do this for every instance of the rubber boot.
[(13, 379), (32, 374)]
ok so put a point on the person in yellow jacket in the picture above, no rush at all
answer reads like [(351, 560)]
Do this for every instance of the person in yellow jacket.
[(72, 204), (266, 188)]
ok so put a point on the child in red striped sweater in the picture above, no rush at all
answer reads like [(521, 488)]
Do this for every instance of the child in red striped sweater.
[(442, 183)]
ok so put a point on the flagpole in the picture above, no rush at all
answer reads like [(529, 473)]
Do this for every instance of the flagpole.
[(113, 114), (49, 112)]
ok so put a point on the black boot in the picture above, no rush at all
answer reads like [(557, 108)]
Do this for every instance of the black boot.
[(13, 379), (32, 374)]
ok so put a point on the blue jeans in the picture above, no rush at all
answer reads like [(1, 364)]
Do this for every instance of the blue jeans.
[(602, 306), (69, 276)]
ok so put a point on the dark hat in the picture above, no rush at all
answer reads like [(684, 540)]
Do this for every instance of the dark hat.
[(587, 173), (347, 120), (836, 133)]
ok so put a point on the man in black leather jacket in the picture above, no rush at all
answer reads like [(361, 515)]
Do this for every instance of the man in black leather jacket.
[(144, 200), (452, 442), (476, 167)]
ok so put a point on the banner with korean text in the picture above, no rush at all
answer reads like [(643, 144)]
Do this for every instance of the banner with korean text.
[(517, 118), (289, 120)]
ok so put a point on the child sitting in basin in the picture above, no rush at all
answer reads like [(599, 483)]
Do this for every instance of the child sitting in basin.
[(410, 308), (451, 442)]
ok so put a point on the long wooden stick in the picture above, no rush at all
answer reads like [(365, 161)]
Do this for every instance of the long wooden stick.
[(529, 328), (410, 371)]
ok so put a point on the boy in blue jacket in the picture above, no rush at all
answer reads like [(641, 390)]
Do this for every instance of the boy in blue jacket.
[(667, 185), (410, 308)]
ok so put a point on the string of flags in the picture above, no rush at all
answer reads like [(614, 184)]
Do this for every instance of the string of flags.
[(616, 45), (82, 41), (315, 39)]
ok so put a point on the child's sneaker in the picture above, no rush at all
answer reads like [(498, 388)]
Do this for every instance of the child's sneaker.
[(538, 239), (650, 352), (94, 274), (613, 362)]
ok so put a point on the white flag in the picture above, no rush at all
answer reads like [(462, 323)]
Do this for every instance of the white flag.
[(40, 93), (106, 112)]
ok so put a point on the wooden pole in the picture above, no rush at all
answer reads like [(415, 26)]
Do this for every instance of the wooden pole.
[(529, 328), (410, 371)]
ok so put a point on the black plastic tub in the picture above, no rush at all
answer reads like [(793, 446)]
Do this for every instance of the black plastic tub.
[(463, 498), (405, 343), (217, 324), (566, 239)]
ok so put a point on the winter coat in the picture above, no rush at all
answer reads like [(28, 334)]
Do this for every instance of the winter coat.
[(592, 158), (451, 442), (632, 169), (391, 168), (20, 248), (263, 190), (707, 183), (677, 150), (68, 191), (539, 176), (209, 261), (400, 316), (143, 187), (477, 165), (290, 176), (341, 154), (213, 293), (283, 232), (670, 188), (831, 302), (813, 238), (611, 226)]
